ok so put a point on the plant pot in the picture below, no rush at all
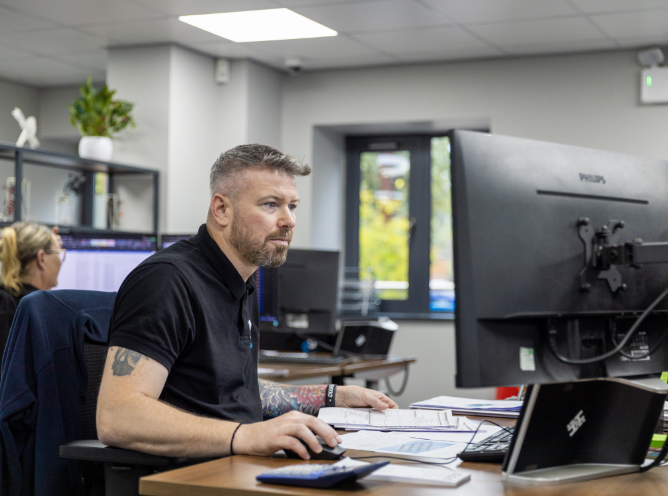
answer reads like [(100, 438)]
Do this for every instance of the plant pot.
[(96, 148)]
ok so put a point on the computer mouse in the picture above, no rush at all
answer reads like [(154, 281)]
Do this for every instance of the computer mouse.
[(327, 453)]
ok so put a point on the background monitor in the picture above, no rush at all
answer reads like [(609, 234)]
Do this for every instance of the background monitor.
[(101, 262), (299, 297), (169, 239), (519, 259)]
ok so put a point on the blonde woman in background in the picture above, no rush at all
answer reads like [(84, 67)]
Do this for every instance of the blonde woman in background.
[(30, 259)]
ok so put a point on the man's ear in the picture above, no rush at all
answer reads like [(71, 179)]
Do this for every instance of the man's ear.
[(221, 209), (39, 259)]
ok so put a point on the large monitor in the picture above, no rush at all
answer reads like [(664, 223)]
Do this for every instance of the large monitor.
[(552, 253), (101, 261), (298, 298)]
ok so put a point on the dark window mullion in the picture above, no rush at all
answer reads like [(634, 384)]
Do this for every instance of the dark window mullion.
[(420, 207)]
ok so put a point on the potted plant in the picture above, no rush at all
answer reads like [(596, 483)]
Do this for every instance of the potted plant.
[(98, 117)]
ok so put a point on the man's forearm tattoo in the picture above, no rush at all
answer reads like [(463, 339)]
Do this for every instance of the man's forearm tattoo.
[(278, 399), (125, 361)]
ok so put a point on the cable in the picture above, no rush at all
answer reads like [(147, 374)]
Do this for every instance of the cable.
[(616, 349), (649, 353), (659, 459), (403, 384)]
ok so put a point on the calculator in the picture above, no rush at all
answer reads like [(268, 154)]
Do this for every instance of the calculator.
[(317, 475)]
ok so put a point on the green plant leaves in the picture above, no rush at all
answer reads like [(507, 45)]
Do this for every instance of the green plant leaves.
[(96, 113)]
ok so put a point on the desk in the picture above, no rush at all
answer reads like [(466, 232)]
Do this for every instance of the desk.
[(371, 370), (235, 476)]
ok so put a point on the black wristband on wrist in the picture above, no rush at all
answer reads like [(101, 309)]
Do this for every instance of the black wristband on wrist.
[(330, 395), (232, 440)]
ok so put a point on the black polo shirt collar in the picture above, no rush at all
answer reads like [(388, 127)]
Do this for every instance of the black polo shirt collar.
[(222, 265)]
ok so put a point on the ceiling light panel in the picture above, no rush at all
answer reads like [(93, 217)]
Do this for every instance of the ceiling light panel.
[(259, 25)]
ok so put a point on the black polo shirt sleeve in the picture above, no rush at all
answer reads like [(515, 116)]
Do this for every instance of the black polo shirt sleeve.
[(153, 313)]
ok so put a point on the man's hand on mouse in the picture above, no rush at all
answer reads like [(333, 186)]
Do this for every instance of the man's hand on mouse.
[(358, 397), (266, 438)]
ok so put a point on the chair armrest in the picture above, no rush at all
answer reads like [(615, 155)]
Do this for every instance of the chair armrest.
[(95, 451)]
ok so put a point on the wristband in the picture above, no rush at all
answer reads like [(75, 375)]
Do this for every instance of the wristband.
[(330, 396), (232, 440)]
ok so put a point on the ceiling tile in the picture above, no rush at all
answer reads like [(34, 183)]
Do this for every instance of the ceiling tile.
[(539, 49), (454, 54), (442, 39), (315, 48), (374, 16), (537, 31), (194, 7), (640, 42), (13, 53), (341, 63), (649, 24), (305, 3), (76, 12), (42, 71), (152, 31), (467, 11), (592, 6), (12, 21), (96, 60), (228, 50), (54, 41)]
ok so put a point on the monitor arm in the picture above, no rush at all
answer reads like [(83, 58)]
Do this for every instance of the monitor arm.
[(602, 256)]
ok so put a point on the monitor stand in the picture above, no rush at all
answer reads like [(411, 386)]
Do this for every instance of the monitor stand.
[(576, 431)]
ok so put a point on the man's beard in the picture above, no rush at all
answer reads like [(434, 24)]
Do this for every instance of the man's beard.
[(259, 253)]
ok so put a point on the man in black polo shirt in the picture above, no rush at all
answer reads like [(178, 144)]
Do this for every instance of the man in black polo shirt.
[(181, 372)]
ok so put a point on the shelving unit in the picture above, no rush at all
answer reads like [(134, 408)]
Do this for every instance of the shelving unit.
[(23, 156)]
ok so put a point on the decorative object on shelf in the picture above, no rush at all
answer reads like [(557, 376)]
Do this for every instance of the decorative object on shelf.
[(113, 211), (63, 210), (73, 187), (28, 129), (98, 117), (8, 211)]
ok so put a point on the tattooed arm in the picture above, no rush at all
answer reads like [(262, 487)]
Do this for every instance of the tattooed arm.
[(130, 415), (278, 399)]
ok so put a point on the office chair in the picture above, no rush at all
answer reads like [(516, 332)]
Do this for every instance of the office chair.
[(51, 374), (121, 469)]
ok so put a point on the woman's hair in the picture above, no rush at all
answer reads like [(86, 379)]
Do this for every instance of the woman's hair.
[(19, 245)]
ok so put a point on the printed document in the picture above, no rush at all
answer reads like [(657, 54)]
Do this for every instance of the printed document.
[(394, 419)]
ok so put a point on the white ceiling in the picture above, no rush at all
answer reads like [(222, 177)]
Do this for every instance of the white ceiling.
[(56, 43)]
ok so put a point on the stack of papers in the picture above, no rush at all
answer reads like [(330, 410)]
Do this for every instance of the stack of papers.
[(431, 476), (403, 445), (395, 420), (468, 406)]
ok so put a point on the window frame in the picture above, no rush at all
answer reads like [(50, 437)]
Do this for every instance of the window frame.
[(416, 306)]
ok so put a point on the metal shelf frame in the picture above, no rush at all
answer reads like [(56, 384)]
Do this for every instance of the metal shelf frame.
[(45, 158)]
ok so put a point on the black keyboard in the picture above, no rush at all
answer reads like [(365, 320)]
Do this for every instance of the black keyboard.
[(491, 449), (303, 358)]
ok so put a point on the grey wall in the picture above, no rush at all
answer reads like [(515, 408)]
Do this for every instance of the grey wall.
[(16, 95), (589, 100)]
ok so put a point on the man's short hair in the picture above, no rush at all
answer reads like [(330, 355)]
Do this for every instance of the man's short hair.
[(236, 160)]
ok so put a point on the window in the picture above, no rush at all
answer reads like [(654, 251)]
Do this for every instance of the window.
[(399, 221)]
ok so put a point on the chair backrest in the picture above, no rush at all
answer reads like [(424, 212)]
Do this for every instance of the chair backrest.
[(96, 355)]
